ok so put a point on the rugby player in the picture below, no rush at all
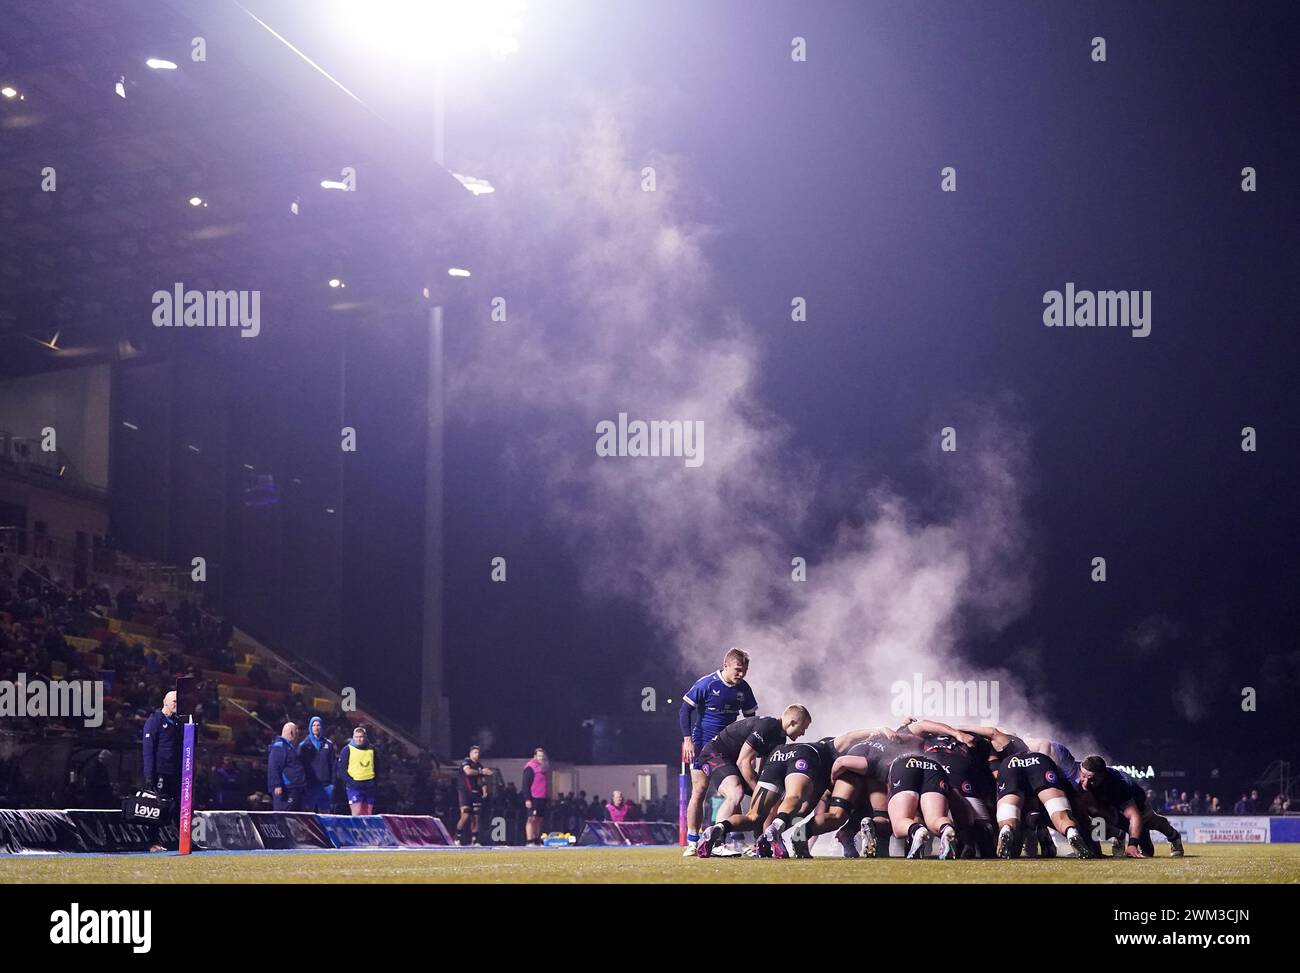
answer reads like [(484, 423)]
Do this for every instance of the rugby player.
[(1024, 775), (964, 755), (1061, 756), (472, 791), (918, 804), (857, 804), (1115, 791), (711, 705), (793, 779), (729, 762)]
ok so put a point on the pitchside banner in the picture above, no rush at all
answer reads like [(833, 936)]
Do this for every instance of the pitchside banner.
[(37, 832), (225, 831), (359, 831), (417, 831), (290, 829), (628, 833), (112, 831), (1221, 829)]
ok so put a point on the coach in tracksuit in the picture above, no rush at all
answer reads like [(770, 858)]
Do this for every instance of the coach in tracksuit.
[(317, 755), (162, 750), (285, 779)]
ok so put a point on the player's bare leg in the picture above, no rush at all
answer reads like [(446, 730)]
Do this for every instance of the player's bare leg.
[(764, 800), (799, 800), (1057, 805), (938, 820), (906, 821), (837, 812), (695, 806), (1008, 812), (733, 793)]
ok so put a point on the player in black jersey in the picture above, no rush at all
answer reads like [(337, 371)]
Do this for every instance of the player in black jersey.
[(1026, 777), (730, 760), (964, 757), (918, 804), (471, 788), (793, 779), (858, 785), (1115, 792), (1035, 834)]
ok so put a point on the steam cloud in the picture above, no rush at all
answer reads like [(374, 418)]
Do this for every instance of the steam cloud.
[(629, 325)]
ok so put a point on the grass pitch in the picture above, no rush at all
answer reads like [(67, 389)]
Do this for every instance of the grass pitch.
[(656, 866)]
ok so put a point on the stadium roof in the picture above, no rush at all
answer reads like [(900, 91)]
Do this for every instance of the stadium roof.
[(248, 131)]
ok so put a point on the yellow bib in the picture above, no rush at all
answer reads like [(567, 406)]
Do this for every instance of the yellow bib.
[(361, 764)]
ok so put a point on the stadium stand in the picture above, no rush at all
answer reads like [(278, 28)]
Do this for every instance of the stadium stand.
[(138, 627)]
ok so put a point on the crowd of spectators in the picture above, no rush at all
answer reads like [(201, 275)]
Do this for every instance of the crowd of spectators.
[(38, 613), (37, 616), (1175, 801)]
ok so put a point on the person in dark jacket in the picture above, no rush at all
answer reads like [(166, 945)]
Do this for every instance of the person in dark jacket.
[(318, 756), (162, 750), (284, 773), (358, 772)]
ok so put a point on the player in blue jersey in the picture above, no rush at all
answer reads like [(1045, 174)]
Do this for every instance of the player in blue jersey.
[(712, 704), (1123, 799)]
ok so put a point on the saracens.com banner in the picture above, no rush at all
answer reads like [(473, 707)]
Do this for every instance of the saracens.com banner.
[(1221, 828)]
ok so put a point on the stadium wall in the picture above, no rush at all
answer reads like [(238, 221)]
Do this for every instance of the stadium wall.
[(75, 403), (596, 779)]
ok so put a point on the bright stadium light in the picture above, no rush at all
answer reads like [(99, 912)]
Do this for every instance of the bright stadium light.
[(443, 28), (158, 64), (479, 187), (440, 27)]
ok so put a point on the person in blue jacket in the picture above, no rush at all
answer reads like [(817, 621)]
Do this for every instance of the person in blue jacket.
[(285, 779), (161, 749), (318, 756)]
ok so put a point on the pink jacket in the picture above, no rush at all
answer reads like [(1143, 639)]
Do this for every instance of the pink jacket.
[(540, 786), (619, 813)]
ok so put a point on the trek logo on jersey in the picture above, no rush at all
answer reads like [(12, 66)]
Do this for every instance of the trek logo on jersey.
[(1023, 762)]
